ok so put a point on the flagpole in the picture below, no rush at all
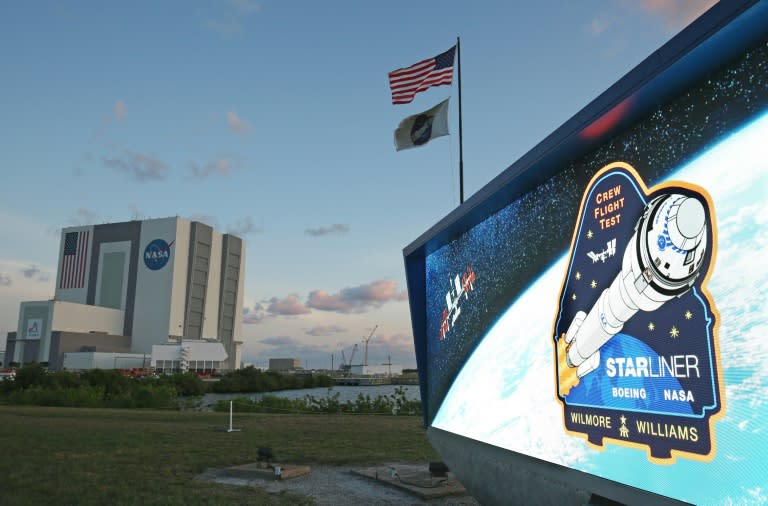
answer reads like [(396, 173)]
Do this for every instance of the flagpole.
[(461, 143)]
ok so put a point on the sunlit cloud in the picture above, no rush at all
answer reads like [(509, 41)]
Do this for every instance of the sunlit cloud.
[(289, 306), (236, 124), (120, 110), (357, 299), (676, 14), (600, 23)]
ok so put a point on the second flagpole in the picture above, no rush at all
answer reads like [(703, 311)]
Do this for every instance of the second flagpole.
[(461, 143)]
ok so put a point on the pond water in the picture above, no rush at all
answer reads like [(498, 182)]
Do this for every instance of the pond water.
[(346, 393)]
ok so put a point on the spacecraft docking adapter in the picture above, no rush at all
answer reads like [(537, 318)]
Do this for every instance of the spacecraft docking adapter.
[(662, 260)]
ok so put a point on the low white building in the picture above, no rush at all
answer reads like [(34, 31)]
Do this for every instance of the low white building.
[(376, 370), (87, 360), (189, 355)]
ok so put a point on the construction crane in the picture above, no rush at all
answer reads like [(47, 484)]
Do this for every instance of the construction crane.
[(365, 340)]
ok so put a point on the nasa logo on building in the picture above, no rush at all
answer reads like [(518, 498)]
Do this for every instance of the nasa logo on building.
[(34, 328), (156, 254)]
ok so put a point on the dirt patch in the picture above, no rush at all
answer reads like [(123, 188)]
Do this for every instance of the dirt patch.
[(352, 486)]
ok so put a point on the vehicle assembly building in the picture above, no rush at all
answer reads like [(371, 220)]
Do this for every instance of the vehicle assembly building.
[(124, 287)]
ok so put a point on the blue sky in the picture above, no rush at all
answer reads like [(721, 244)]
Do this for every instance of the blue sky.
[(273, 120)]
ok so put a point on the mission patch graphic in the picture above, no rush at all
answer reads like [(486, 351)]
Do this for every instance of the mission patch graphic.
[(635, 341)]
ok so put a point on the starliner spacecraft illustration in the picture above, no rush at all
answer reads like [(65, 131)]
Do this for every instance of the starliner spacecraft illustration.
[(662, 260)]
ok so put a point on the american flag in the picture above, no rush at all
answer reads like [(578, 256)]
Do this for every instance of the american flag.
[(406, 83), (74, 259)]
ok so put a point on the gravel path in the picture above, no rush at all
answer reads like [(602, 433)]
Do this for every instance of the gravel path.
[(339, 486)]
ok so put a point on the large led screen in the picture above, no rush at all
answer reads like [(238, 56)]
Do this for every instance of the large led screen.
[(613, 319)]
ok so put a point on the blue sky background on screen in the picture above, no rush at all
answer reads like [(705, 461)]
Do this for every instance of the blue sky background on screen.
[(273, 120)]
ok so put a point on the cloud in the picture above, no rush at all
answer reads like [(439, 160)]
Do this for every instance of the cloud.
[(324, 353), (316, 355), (282, 341), (245, 6), (30, 271), (236, 124), (600, 24), (289, 306), (138, 166), (325, 330), (84, 216), (120, 110), (336, 228), (397, 342), (244, 226), (211, 221), (220, 166), (5, 280), (231, 21), (252, 317), (676, 14), (357, 299)]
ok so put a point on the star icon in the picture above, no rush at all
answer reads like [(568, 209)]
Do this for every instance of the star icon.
[(623, 420), (578, 275), (593, 284), (590, 234), (573, 296), (651, 327), (674, 332), (688, 315)]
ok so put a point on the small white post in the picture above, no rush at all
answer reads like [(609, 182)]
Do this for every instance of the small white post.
[(231, 429)]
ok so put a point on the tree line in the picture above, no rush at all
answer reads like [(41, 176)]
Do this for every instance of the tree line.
[(34, 385)]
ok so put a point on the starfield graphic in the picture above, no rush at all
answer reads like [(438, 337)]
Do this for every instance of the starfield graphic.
[(637, 359)]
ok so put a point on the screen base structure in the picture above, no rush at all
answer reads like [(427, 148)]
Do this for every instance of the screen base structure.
[(495, 476)]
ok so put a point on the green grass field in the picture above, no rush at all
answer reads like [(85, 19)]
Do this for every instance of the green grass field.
[(110, 457)]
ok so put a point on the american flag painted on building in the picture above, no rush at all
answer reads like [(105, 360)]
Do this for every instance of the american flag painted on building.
[(73, 261), (406, 83)]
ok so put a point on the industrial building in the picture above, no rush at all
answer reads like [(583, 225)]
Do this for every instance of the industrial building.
[(125, 287), (284, 364), (376, 370)]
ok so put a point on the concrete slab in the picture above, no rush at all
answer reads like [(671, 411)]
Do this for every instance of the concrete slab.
[(414, 479), (263, 472)]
